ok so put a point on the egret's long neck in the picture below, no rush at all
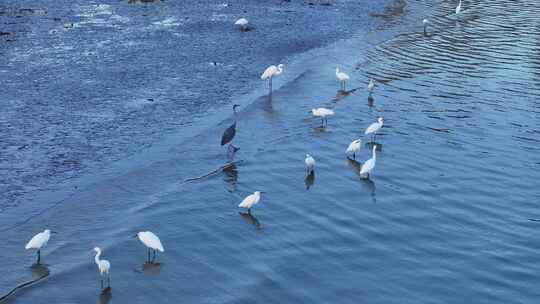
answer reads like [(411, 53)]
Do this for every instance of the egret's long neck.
[(279, 70), (374, 154), (337, 70), (98, 254)]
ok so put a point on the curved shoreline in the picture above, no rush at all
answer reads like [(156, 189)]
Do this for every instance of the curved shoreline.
[(50, 195)]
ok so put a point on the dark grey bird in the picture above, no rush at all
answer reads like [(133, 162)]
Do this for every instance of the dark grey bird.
[(229, 134)]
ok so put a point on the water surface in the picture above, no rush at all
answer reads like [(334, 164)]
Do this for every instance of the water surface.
[(444, 219)]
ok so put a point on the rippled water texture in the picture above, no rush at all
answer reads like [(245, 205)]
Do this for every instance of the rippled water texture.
[(444, 219)]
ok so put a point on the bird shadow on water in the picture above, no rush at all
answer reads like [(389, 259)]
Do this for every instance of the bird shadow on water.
[(105, 296), (250, 219), (370, 144), (310, 180), (39, 271), (151, 268), (342, 94)]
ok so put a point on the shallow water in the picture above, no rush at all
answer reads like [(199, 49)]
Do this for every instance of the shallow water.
[(445, 217)]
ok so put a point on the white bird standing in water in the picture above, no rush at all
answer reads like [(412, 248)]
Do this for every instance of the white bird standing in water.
[(103, 266), (323, 113), (374, 128), (310, 164), (342, 77), (151, 241), (251, 200), (368, 166), (425, 23), (371, 86), (270, 72), (242, 23), (458, 8), (354, 147), (39, 241)]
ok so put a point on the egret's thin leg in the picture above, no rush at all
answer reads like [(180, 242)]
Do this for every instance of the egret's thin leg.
[(148, 251), (109, 280), (38, 256), (102, 283), (249, 210), (154, 258)]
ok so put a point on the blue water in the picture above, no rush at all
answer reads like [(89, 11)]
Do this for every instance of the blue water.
[(445, 218)]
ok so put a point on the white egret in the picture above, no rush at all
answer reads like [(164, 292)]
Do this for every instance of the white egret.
[(368, 166), (151, 241), (310, 164), (323, 113), (371, 86), (374, 128), (425, 23), (354, 147), (103, 265), (250, 200), (270, 72), (243, 24), (39, 241), (458, 8), (342, 77)]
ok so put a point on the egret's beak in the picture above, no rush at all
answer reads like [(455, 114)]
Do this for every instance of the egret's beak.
[(262, 191), (54, 232)]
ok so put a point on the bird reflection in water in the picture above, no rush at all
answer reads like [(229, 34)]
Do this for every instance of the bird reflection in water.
[(231, 151), (151, 268), (39, 271), (370, 101), (341, 94), (370, 186), (105, 296), (310, 180), (231, 176), (250, 219)]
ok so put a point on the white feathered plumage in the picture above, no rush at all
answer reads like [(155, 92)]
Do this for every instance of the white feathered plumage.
[(103, 265), (354, 147), (310, 163), (250, 200), (371, 86), (150, 240), (368, 166), (374, 127), (39, 240), (458, 8), (272, 71), (242, 23), (322, 112)]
